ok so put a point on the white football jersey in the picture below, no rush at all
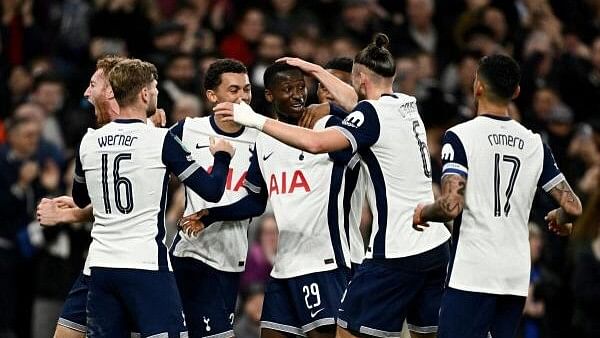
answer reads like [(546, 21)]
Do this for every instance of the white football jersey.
[(354, 192), (123, 166), (304, 191), (504, 163), (222, 245), (389, 136)]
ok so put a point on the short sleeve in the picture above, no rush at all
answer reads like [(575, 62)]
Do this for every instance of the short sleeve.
[(177, 158), (454, 157), (254, 180), (361, 127), (337, 111), (551, 175), (177, 129), (341, 156)]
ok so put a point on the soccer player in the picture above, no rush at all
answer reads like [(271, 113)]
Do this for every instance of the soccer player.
[(340, 67), (128, 256), (311, 266), (492, 166), (50, 212), (216, 256), (404, 270)]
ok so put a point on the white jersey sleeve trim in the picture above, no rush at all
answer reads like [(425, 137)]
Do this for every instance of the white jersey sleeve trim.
[(78, 179), (553, 182), (453, 167), (353, 161), (348, 135), (251, 187), (189, 171)]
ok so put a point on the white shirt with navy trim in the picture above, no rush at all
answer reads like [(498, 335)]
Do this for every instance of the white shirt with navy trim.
[(390, 138), (303, 188), (503, 163), (222, 245), (122, 170)]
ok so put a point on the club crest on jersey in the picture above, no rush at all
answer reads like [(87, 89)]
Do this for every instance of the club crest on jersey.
[(282, 184), (355, 119), (447, 152)]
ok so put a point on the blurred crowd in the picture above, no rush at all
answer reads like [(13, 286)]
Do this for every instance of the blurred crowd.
[(48, 52)]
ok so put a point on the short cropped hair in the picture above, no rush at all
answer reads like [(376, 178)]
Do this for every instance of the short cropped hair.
[(212, 78), (273, 70), (128, 77), (502, 75), (343, 64)]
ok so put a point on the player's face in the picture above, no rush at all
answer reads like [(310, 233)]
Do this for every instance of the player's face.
[(97, 94), (233, 87), (322, 92), (289, 94), (152, 99)]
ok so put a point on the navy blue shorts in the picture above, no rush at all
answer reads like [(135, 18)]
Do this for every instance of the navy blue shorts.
[(301, 304), (73, 314), (148, 299), (208, 297), (384, 292), (468, 314)]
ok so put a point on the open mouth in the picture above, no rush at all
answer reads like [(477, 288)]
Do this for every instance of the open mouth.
[(298, 105)]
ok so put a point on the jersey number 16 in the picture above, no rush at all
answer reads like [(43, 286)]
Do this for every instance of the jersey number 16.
[(118, 182)]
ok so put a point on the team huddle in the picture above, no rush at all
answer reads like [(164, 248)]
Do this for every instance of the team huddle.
[(455, 265)]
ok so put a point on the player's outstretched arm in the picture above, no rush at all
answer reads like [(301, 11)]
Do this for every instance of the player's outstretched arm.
[(251, 205), (208, 186), (446, 207), (560, 220), (51, 212), (342, 92), (315, 142)]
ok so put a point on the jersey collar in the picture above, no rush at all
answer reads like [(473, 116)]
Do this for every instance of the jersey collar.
[(219, 131), (128, 121), (495, 117)]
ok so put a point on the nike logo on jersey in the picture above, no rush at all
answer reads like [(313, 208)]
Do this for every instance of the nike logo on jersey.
[(200, 147), (266, 157), (313, 314)]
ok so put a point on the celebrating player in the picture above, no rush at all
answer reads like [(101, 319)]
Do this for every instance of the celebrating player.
[(217, 255), (404, 270), (492, 166), (128, 257)]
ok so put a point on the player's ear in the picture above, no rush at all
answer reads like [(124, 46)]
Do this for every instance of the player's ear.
[(145, 94), (211, 96), (108, 93), (269, 95), (517, 92), (479, 88)]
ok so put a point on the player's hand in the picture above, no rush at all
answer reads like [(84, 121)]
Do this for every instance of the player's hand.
[(219, 144), (159, 119), (418, 223), (305, 66), (240, 113), (65, 202), (192, 225), (555, 227), (48, 212), (312, 114)]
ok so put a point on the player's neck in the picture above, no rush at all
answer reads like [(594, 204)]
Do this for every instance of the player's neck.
[(375, 93), (132, 112), (228, 127), (489, 108)]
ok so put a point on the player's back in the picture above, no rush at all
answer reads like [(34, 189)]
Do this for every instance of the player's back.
[(504, 161), (127, 184), (398, 179)]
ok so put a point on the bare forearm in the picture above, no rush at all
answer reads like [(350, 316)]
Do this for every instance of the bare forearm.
[(77, 215), (315, 142), (439, 211), (342, 92), (570, 205)]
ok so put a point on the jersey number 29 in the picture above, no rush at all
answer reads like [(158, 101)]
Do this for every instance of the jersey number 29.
[(118, 182)]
